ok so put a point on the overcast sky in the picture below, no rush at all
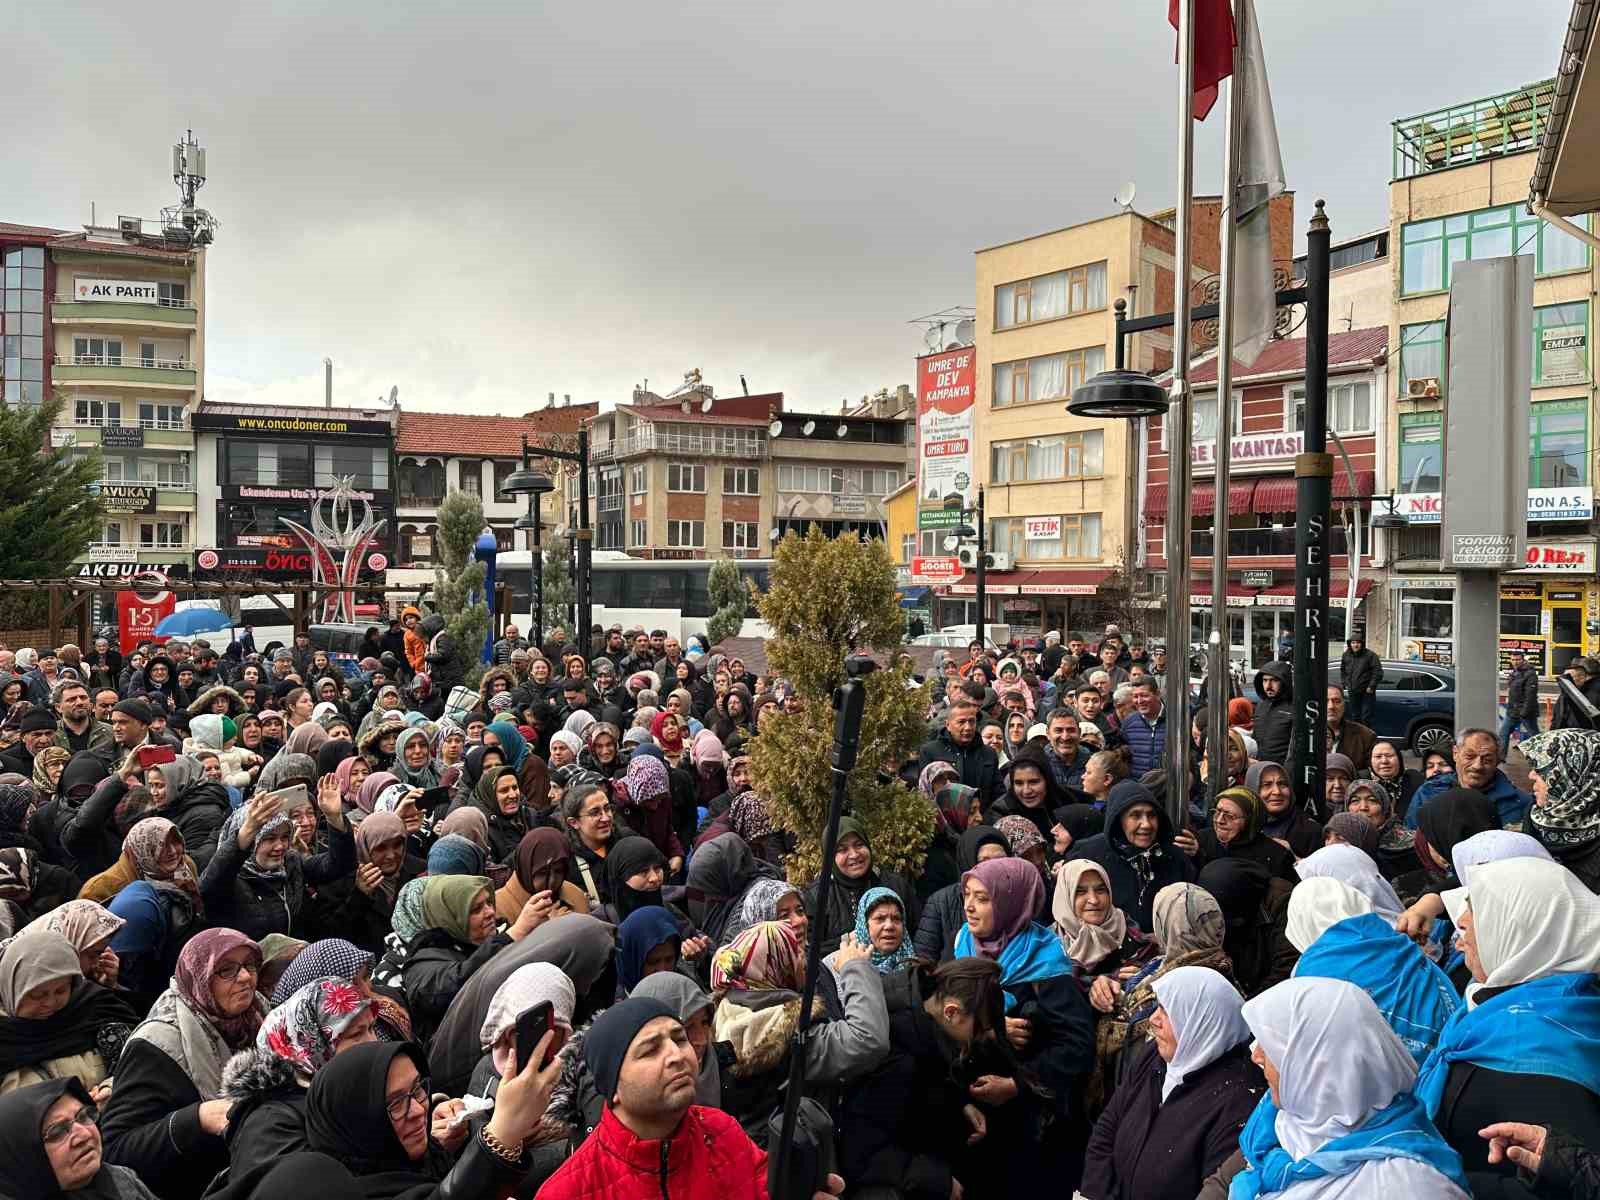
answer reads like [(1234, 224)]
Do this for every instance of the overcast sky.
[(485, 203)]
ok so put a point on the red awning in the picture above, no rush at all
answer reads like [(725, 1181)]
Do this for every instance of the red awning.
[(995, 583), (1203, 500), (1364, 485), (1064, 583), (1155, 501), (1236, 591), (1275, 495)]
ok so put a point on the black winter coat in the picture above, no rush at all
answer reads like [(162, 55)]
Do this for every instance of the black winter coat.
[(1142, 1149), (942, 912), (236, 899), (437, 967), (200, 813), (1360, 674), (151, 1124), (1130, 892), (1522, 692), (87, 836), (979, 765), (840, 918), (268, 1116), (1273, 727), (342, 910)]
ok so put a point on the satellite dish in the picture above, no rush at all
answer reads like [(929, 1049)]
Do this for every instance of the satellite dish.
[(705, 404), (952, 542), (808, 428), (776, 536), (776, 428), (964, 332), (932, 337), (1125, 194), (842, 430), (394, 395)]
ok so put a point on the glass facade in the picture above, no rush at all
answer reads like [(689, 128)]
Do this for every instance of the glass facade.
[(22, 325)]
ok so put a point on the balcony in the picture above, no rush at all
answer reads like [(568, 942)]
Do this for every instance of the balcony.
[(409, 501), (167, 373), (1509, 123), (1266, 543), (174, 314), (716, 445)]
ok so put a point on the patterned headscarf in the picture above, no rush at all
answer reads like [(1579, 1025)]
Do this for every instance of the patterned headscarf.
[(1186, 918), (953, 806), (647, 780), (1569, 761), (750, 817), (764, 958), (16, 875), (269, 827), (529, 986), (42, 762), (760, 904), (330, 958), (1020, 834), (883, 963), (192, 978), (16, 801), (302, 1029), (928, 783), (406, 919), (83, 923)]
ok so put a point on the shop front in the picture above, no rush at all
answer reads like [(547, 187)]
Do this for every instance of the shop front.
[(1260, 617), (1030, 602)]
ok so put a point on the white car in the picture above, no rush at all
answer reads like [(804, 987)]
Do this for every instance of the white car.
[(944, 640)]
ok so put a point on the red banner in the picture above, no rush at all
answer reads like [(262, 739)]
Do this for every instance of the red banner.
[(137, 618)]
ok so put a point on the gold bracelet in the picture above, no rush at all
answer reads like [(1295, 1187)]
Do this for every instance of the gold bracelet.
[(499, 1149)]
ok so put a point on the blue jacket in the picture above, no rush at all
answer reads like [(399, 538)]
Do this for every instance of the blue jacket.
[(1146, 743), (1511, 804)]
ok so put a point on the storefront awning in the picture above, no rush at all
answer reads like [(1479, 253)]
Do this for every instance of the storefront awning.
[(1155, 501), (1203, 500), (1064, 583), (995, 583), (1200, 592), (914, 597), (1365, 481), (1275, 495), (1282, 595)]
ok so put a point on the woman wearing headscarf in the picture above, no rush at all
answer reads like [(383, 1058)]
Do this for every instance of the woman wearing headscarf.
[(1283, 820), (1031, 792), (1104, 947), (1350, 829), (756, 981), (370, 1109), (1356, 868), (540, 864), (152, 850), (1566, 787), (853, 876), (1526, 1045), (1178, 1115), (165, 1118), (1389, 769), (160, 905), (1049, 1023), (267, 1083), (942, 914), (533, 773), (722, 871), (414, 763), (255, 882), (1235, 832), (90, 928), (635, 872), (770, 900), (1340, 937), (939, 861), (1341, 1119), (750, 816), (881, 927), (498, 796), (1396, 853), (360, 908), (55, 1023), (648, 940), (32, 884), (335, 958), (648, 808), (50, 1147), (405, 924), (47, 767), (1255, 907), (351, 774), (1137, 850)]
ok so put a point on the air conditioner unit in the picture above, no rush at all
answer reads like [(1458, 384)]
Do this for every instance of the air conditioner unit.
[(1423, 388), (999, 561), (968, 557)]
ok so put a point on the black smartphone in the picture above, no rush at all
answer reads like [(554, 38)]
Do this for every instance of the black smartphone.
[(531, 1026), (432, 797)]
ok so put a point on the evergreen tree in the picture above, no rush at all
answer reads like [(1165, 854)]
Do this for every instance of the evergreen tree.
[(559, 595), (729, 598), (459, 580), (48, 513), (826, 600)]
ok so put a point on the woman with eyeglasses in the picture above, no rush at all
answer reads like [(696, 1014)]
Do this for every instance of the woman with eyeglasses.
[(1237, 816), (50, 1146), (165, 1118)]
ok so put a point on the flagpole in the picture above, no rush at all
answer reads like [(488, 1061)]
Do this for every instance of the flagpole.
[(1217, 690), (1176, 699)]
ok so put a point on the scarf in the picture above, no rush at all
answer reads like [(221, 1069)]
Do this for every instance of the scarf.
[(1569, 761), (83, 923), (192, 982), (36, 957), (380, 829), (1032, 955), (750, 816), (342, 773), (540, 860), (427, 775), (483, 796), (303, 1029), (884, 962), (1355, 867), (16, 875), (1205, 1012), (230, 832), (1021, 834), (406, 920), (24, 1163), (455, 855), (764, 958), (16, 803), (468, 822), (760, 903), (638, 935), (50, 756), (373, 786), (331, 958), (953, 807), (1185, 918), (719, 873), (511, 742), (672, 744), (934, 776), (447, 903), (529, 986), (345, 1119), (647, 780), (1016, 892), (1087, 945), (629, 857)]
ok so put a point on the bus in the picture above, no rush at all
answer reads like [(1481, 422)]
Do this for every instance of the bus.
[(670, 594)]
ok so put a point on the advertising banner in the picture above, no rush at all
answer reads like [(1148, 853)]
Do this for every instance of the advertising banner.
[(1544, 504), (946, 385), (1041, 529), (128, 291), (935, 568), (138, 617), (128, 497)]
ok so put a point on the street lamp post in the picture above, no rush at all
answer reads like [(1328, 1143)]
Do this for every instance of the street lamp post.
[(572, 451)]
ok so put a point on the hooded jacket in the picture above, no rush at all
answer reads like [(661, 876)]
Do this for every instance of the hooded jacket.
[(199, 810), (1135, 877), (979, 765), (1274, 724)]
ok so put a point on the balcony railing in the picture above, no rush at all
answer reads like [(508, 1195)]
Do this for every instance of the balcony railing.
[(1510, 123), (408, 501), (717, 445), (119, 423), (124, 360), (140, 546), (159, 302), (1265, 543), (161, 485)]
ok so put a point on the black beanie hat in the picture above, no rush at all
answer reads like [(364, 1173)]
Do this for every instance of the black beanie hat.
[(39, 720), (613, 1031), (136, 708)]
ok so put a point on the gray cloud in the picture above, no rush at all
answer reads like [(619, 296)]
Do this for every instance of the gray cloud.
[(483, 202)]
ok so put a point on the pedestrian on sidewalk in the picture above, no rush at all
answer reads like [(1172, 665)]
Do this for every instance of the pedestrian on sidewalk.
[(1522, 702)]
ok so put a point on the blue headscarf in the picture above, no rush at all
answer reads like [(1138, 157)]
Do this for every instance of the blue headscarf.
[(642, 931), (1026, 951), (1415, 997), (455, 855), (881, 962), (512, 743)]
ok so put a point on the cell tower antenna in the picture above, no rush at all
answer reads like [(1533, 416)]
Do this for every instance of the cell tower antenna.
[(184, 223)]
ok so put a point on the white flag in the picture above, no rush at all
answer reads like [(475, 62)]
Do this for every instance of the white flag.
[(1259, 177)]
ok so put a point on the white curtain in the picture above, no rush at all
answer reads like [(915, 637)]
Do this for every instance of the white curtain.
[(1047, 377), (1049, 296), (1097, 287)]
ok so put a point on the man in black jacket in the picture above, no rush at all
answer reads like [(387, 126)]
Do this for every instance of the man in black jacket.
[(1522, 701), (1274, 723), (1360, 671), (1585, 676), (958, 743)]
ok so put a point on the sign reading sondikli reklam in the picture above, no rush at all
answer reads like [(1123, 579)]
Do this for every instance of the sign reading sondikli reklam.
[(945, 388)]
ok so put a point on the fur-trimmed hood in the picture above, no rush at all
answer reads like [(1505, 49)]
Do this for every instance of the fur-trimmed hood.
[(203, 701), (255, 1074)]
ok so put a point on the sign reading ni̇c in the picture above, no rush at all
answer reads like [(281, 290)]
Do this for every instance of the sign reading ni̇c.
[(1544, 504)]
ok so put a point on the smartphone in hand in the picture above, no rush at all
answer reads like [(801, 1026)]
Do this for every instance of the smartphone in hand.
[(531, 1026), (154, 756)]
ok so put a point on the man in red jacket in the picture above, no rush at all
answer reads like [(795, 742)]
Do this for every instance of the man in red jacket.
[(653, 1140)]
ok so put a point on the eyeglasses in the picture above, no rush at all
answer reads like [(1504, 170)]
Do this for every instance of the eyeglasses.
[(603, 811), (57, 1130), (1223, 817), (397, 1105), (230, 970)]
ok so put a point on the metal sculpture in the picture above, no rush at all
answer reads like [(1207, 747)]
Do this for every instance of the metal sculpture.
[(338, 543)]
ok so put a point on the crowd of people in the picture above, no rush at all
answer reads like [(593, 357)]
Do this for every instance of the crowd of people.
[(274, 923)]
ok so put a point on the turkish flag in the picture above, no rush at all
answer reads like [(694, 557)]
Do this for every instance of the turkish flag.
[(1213, 49)]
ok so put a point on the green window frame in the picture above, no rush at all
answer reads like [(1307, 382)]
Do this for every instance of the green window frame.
[(1558, 444), (1422, 354), (1421, 451), (1428, 248), (1568, 355)]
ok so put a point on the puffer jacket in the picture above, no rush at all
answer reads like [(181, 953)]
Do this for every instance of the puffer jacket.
[(1133, 891), (1522, 692), (1274, 724), (200, 814), (238, 899), (708, 1157)]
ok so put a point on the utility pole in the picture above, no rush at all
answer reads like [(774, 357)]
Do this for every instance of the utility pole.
[(983, 556)]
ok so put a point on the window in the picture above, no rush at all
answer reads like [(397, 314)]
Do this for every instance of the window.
[(92, 411), (113, 535), (1063, 456), (1420, 452), (470, 475), (367, 466), (421, 481), (147, 354), (22, 289), (268, 464), (1045, 297), (1427, 612), (167, 473), (172, 295), (638, 480), (503, 469), (686, 534), (160, 416), (686, 477), (1079, 537), (1561, 344), (1349, 407), (1427, 248), (740, 535), (1422, 354), (802, 479), (638, 533), (1049, 377), (908, 547), (1558, 453), (94, 351), (741, 481), (161, 533)]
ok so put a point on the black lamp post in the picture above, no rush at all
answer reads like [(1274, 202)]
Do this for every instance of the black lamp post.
[(573, 450), (535, 485)]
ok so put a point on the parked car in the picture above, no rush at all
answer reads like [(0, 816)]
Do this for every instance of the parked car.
[(1415, 705)]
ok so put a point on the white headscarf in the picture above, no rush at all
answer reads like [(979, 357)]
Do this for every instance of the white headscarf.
[(1354, 866), (1531, 918), (1494, 845), (525, 988), (1338, 1061), (1204, 1009), (1318, 903), (1086, 945)]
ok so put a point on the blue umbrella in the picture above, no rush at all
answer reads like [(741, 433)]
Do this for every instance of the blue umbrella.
[(190, 621)]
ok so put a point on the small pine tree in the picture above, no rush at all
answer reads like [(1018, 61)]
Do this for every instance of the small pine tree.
[(559, 596), (827, 599), (458, 576), (729, 598)]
